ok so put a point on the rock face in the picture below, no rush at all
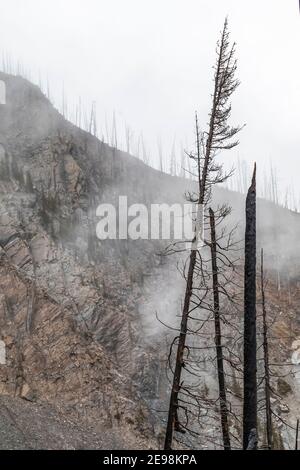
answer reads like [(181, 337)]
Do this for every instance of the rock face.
[(50, 359), (28, 425), (69, 306), (80, 346)]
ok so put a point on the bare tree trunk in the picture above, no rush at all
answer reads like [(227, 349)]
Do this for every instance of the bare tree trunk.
[(173, 166), (218, 136), (218, 334), (266, 357), (173, 422), (114, 138), (289, 285), (160, 155), (173, 408), (250, 385)]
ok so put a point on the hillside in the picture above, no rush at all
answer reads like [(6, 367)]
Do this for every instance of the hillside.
[(77, 316)]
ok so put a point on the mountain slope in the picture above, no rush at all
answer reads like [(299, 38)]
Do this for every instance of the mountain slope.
[(77, 316)]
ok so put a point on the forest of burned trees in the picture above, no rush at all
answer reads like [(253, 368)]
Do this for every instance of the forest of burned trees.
[(220, 295), (221, 291)]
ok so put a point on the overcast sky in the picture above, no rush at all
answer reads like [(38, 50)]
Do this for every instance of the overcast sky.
[(151, 61)]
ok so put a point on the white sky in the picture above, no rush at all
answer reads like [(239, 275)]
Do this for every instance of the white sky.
[(150, 61)]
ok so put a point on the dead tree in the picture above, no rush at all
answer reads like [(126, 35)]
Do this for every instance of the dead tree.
[(218, 137), (266, 357), (128, 137), (250, 385), (93, 120), (114, 138), (218, 334), (173, 166), (182, 162), (160, 155), (145, 154)]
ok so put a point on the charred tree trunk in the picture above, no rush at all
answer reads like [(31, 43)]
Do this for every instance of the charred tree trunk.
[(218, 335), (250, 386), (266, 358), (218, 137), (173, 408)]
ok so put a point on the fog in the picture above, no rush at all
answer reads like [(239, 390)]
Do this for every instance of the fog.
[(151, 63)]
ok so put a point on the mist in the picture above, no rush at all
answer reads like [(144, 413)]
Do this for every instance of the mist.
[(150, 63), (134, 339)]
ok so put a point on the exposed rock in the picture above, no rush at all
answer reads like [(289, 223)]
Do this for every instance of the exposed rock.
[(76, 315), (283, 387), (283, 408)]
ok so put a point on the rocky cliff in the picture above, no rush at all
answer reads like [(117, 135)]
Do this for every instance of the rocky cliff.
[(85, 356)]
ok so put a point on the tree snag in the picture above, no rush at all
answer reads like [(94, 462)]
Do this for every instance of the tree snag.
[(266, 356), (218, 137), (218, 334), (250, 385)]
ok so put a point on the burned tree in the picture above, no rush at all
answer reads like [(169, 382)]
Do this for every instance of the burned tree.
[(218, 137), (218, 334), (160, 155), (250, 366), (266, 357)]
